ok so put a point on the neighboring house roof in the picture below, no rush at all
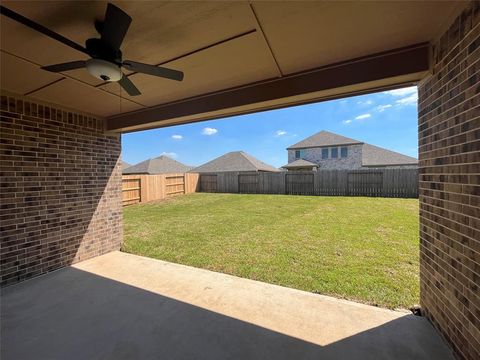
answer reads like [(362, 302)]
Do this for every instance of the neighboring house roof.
[(235, 161), (160, 165), (300, 163), (124, 164), (323, 138), (377, 156), (371, 155)]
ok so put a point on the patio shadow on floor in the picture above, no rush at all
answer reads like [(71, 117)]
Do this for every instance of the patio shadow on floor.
[(74, 314)]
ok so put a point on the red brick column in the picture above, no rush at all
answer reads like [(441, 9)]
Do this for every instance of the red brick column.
[(449, 154), (60, 188)]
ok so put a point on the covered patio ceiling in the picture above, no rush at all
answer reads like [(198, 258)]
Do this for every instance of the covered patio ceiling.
[(237, 57)]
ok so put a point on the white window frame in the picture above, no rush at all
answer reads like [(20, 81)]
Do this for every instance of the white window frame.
[(301, 154)]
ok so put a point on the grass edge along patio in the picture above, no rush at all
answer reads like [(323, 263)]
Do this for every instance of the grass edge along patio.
[(358, 248)]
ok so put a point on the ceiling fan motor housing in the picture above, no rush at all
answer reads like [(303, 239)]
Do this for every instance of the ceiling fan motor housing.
[(104, 70), (99, 49)]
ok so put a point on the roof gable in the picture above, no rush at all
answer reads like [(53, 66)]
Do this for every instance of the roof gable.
[(235, 161), (159, 165), (300, 163), (323, 138)]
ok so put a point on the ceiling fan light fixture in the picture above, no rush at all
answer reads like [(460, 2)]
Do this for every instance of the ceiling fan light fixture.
[(104, 70)]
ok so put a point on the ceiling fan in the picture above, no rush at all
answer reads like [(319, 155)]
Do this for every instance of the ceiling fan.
[(105, 61)]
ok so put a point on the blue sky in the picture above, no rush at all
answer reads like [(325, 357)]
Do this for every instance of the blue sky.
[(387, 119)]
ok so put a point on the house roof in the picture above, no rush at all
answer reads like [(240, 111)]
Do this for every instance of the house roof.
[(300, 163), (160, 165), (323, 138), (235, 161), (124, 164), (377, 156), (371, 155)]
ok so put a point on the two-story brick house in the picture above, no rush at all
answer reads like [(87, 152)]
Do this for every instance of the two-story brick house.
[(328, 151)]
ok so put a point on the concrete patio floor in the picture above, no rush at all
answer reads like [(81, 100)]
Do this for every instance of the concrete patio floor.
[(122, 306)]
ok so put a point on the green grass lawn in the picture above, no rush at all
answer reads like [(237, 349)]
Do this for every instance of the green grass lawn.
[(358, 248)]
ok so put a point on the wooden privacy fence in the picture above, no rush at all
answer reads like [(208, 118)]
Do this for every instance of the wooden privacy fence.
[(142, 188), (208, 183), (369, 182), (131, 191)]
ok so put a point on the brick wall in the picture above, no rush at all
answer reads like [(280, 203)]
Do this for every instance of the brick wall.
[(449, 152), (353, 160), (60, 189)]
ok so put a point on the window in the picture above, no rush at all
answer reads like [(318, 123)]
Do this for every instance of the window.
[(325, 153), (343, 152), (299, 154), (334, 152)]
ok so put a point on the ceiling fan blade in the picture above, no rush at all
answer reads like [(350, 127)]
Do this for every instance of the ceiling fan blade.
[(40, 28), (115, 26), (128, 86), (65, 66), (153, 70)]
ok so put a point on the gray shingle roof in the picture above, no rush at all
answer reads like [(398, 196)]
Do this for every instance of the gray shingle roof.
[(160, 165), (235, 161), (300, 163), (124, 164), (324, 138), (377, 156)]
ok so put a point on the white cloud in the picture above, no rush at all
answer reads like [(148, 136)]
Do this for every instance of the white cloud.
[(169, 154), (209, 131), (381, 108), (409, 95), (402, 92), (409, 100), (366, 102), (363, 116), (177, 137), (280, 133), (346, 122)]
